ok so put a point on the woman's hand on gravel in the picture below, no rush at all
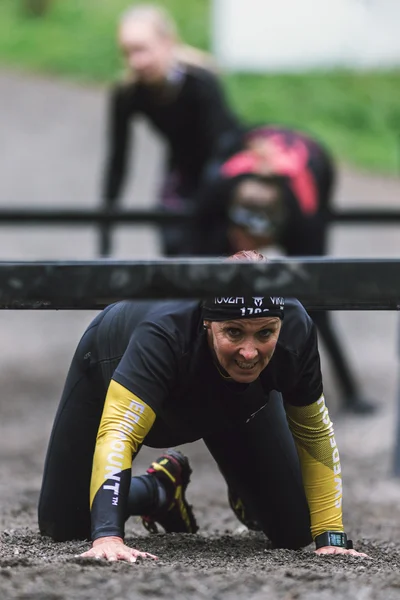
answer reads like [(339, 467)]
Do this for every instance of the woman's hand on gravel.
[(336, 550), (113, 548)]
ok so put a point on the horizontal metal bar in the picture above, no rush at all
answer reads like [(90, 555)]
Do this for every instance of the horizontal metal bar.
[(42, 216), (320, 284), (361, 216)]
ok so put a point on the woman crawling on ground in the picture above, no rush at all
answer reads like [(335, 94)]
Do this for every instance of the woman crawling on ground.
[(243, 374)]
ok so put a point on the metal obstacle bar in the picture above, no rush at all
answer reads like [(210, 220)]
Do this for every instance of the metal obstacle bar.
[(105, 219), (65, 216), (319, 283)]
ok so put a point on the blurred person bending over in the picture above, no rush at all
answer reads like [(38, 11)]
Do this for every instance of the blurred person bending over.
[(277, 190), (241, 373), (176, 87)]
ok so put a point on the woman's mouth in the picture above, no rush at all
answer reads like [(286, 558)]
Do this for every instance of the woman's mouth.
[(245, 365)]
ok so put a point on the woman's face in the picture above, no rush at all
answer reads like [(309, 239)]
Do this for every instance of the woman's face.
[(148, 53), (244, 347), (264, 201)]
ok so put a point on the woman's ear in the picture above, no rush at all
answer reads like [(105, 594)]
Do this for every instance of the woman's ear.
[(207, 325)]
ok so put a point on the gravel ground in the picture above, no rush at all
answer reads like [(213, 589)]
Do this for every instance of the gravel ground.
[(52, 151)]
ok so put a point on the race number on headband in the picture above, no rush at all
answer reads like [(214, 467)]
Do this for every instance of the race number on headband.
[(225, 308)]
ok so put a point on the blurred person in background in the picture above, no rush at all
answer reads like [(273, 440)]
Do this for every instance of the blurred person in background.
[(276, 191), (177, 88)]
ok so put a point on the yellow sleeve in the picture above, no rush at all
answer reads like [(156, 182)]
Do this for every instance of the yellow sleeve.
[(314, 436), (125, 422)]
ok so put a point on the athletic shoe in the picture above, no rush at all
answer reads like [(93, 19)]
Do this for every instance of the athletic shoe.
[(173, 471)]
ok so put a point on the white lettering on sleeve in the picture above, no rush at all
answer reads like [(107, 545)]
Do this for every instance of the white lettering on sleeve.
[(118, 446)]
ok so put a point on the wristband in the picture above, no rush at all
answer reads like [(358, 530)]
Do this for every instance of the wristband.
[(333, 538)]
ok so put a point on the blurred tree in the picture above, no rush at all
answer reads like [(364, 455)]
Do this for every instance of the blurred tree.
[(35, 8)]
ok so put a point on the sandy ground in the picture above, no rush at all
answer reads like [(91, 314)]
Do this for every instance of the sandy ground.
[(51, 149)]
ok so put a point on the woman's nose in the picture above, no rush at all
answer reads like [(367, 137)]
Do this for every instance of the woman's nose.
[(136, 63), (248, 351), (137, 60)]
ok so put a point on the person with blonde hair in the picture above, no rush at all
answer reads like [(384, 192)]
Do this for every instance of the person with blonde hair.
[(177, 88)]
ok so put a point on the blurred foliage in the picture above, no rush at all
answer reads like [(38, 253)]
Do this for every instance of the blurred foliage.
[(77, 37), (356, 114), (34, 8)]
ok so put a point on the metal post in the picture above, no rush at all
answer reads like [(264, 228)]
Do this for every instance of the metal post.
[(105, 239), (396, 459)]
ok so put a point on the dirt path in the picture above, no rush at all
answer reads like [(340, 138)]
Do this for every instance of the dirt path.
[(51, 148)]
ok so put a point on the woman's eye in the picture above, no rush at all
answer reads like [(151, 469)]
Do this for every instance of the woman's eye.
[(265, 333), (234, 333)]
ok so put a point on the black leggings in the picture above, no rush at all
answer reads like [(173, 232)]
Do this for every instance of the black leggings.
[(260, 465), (257, 459), (64, 512), (340, 363)]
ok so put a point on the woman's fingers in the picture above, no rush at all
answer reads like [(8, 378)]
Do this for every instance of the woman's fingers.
[(131, 555), (90, 554), (355, 553), (146, 555), (336, 550), (122, 555), (114, 552)]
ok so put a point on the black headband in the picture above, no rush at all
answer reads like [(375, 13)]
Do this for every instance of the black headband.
[(225, 308)]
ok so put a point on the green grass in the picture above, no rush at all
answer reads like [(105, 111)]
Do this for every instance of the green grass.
[(356, 114), (77, 37)]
